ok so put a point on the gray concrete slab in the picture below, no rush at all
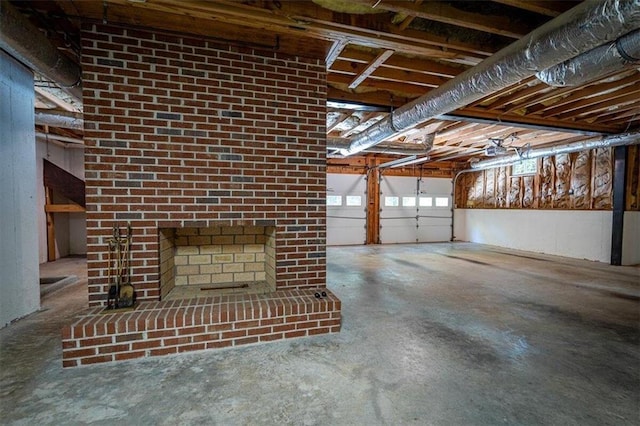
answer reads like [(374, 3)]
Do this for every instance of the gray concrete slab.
[(432, 334)]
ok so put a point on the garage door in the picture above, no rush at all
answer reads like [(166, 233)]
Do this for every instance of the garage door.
[(415, 209), (346, 209)]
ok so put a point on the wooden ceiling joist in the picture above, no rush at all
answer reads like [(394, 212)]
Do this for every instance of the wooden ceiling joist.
[(544, 7), (336, 49), (449, 14), (370, 68), (386, 59)]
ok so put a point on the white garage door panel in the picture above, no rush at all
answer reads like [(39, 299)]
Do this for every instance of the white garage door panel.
[(435, 233), (397, 231), (435, 222), (397, 224), (346, 224), (342, 232)]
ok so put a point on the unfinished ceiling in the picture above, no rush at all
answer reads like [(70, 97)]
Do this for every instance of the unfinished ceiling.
[(380, 55)]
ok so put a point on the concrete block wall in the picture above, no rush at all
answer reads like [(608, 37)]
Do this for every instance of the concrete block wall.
[(188, 132)]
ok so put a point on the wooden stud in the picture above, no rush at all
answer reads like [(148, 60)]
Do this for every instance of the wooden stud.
[(63, 208)]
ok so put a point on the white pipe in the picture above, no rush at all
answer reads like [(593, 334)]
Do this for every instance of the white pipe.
[(578, 30), (632, 138)]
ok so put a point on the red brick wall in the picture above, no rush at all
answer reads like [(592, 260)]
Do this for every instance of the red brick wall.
[(188, 132)]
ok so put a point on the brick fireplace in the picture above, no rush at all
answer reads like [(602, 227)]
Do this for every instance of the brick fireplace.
[(216, 156), (217, 260)]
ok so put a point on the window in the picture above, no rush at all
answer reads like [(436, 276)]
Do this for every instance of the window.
[(409, 201), (391, 201), (525, 167), (334, 200), (442, 201), (354, 200), (426, 202)]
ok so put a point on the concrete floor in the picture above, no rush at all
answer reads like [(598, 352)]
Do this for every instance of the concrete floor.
[(432, 334)]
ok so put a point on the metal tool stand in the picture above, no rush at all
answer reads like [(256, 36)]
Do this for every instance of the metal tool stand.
[(121, 291)]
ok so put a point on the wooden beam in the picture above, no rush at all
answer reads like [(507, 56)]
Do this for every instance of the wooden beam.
[(379, 60), (476, 114), (398, 61), (448, 14), (379, 97), (55, 100), (389, 74), (579, 93), (337, 48), (373, 202), (338, 121), (517, 95), (400, 90), (404, 24), (407, 21), (63, 208), (174, 18), (543, 7), (595, 103), (296, 19)]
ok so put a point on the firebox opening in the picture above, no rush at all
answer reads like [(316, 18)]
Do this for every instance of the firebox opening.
[(217, 260)]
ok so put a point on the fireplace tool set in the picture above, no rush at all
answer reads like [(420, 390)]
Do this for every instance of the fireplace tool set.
[(121, 291)]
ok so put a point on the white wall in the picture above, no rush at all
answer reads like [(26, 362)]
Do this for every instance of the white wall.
[(570, 233), (70, 228), (19, 274), (631, 239)]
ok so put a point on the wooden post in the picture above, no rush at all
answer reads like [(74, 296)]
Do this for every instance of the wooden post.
[(373, 202)]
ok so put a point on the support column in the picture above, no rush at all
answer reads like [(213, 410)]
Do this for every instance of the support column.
[(373, 202), (619, 191), (19, 277)]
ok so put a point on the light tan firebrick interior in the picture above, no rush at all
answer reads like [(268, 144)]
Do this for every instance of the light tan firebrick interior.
[(200, 262)]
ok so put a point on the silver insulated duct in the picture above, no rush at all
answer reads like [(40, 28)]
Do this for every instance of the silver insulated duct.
[(632, 138), (595, 63), (26, 43), (57, 118), (578, 30)]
